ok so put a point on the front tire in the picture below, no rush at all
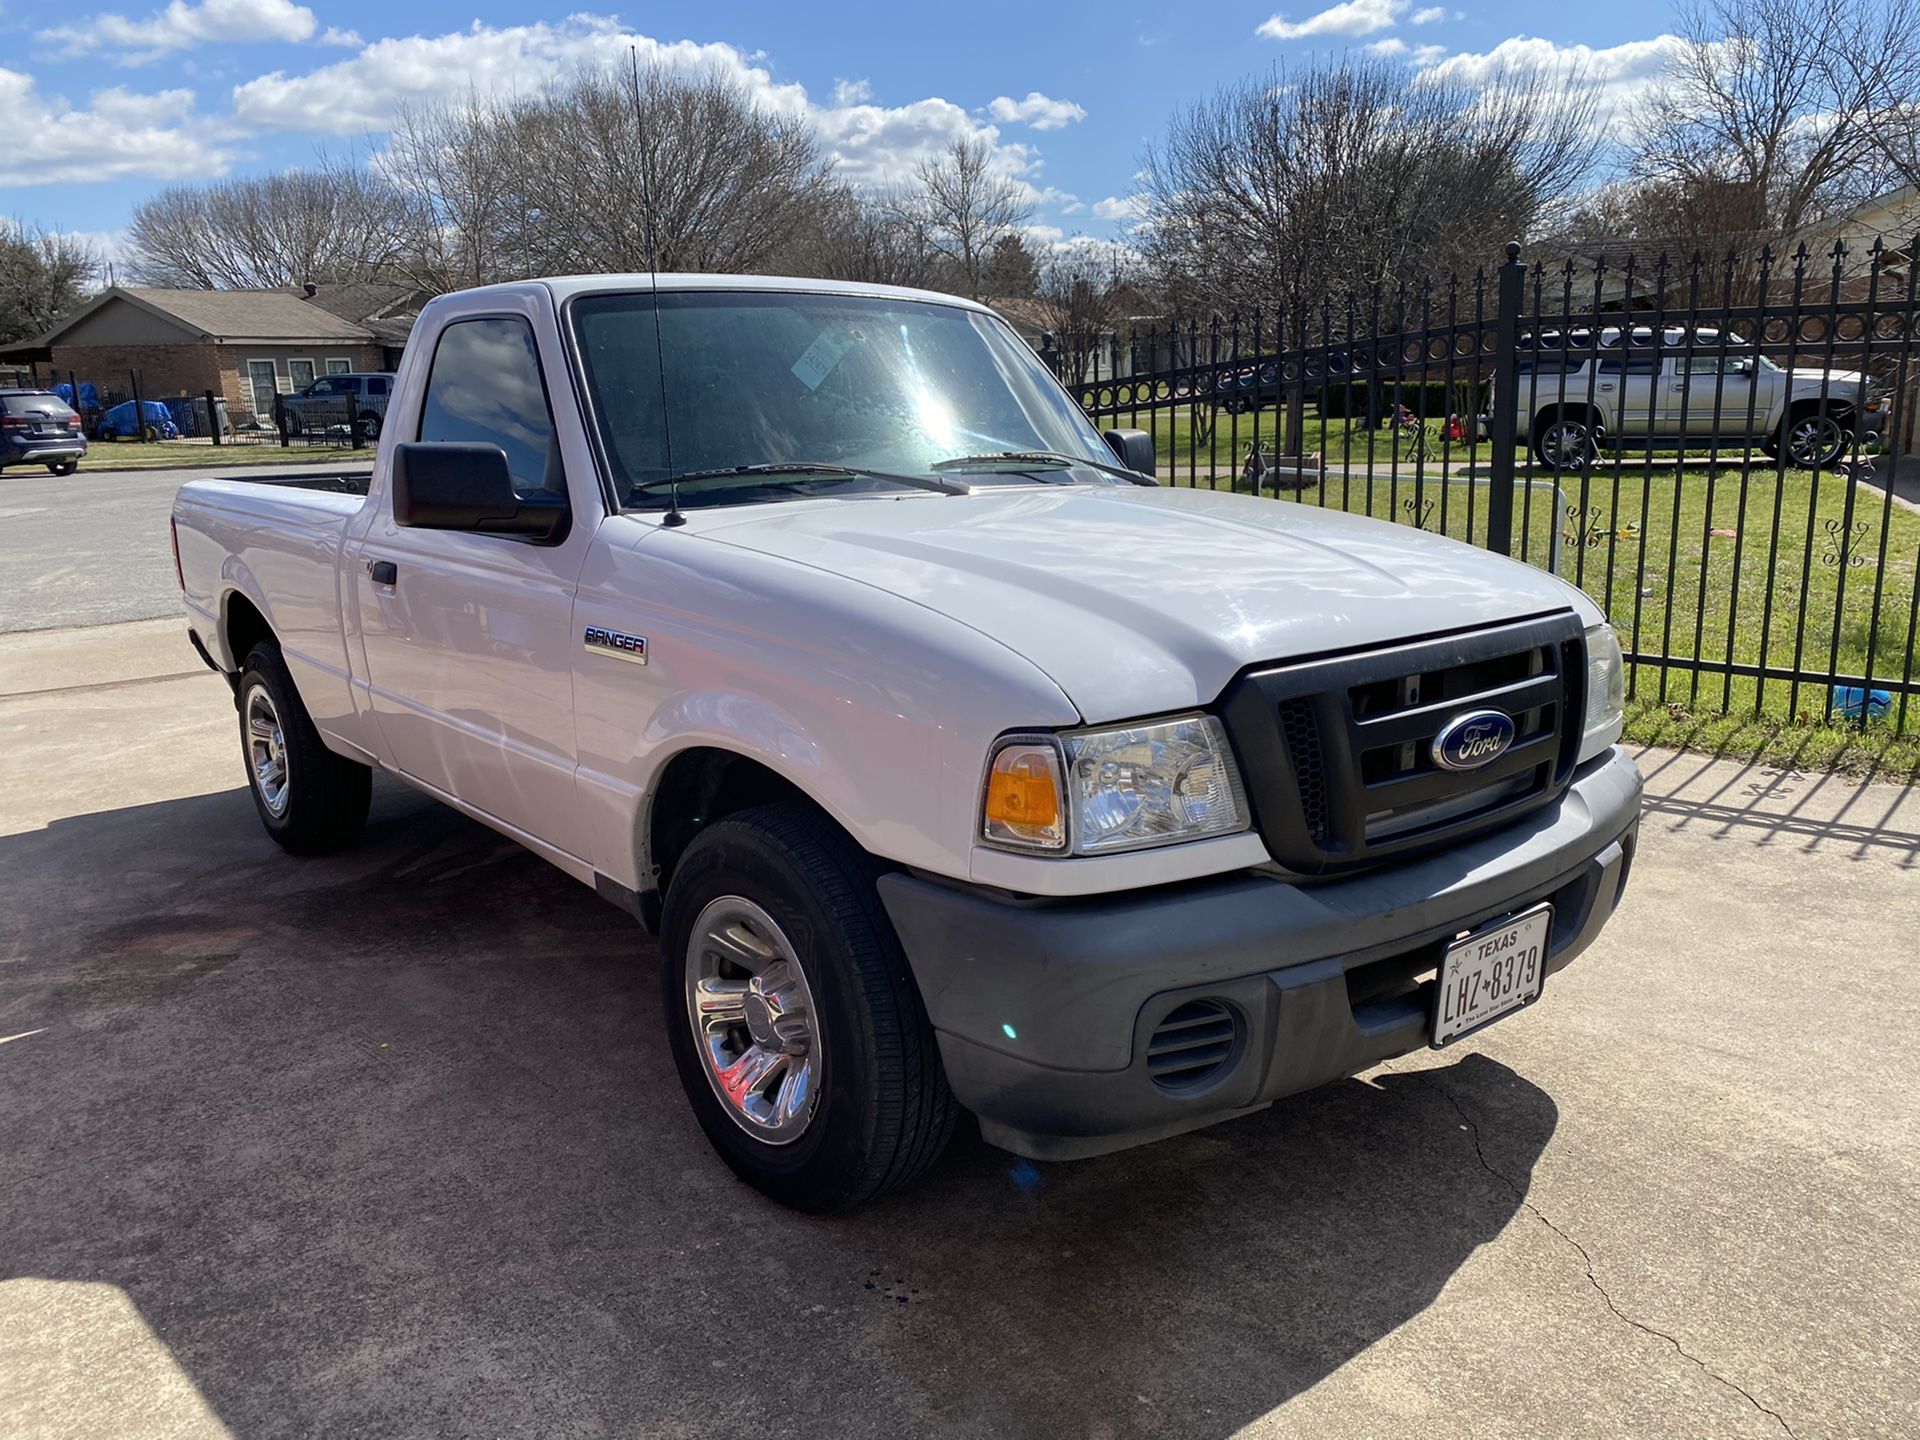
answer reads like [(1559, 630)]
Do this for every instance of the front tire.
[(1812, 441), (369, 426), (64, 467), (311, 800), (793, 1018)]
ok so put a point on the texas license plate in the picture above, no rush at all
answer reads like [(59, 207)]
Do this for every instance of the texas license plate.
[(1491, 973)]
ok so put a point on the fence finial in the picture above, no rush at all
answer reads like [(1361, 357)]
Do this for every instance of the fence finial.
[(1513, 251)]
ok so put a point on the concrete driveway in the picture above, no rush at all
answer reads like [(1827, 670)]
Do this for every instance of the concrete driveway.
[(390, 1143)]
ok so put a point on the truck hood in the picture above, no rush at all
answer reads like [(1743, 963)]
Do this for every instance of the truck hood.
[(1138, 601), (1811, 380)]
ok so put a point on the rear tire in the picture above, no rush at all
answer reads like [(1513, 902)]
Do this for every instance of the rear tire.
[(311, 800), (1564, 443), (65, 467), (757, 897), (370, 425)]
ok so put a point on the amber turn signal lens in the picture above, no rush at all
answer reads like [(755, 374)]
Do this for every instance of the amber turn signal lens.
[(1023, 804)]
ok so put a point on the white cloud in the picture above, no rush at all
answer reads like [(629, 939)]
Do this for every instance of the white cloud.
[(1621, 73), (361, 93), (870, 144), (1121, 207), (1429, 15), (1350, 17), (347, 39), (1040, 111), (1425, 57), (1392, 45), (119, 135), (183, 24)]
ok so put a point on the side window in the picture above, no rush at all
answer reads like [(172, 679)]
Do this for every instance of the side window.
[(338, 366), (377, 386), (484, 388)]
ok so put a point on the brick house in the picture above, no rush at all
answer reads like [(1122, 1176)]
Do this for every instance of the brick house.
[(247, 345)]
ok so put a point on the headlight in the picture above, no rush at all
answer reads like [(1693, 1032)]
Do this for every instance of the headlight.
[(1119, 788), (1606, 692)]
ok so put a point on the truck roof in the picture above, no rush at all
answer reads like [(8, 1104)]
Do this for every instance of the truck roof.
[(563, 287)]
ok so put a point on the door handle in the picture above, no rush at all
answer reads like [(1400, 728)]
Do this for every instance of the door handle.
[(384, 572)]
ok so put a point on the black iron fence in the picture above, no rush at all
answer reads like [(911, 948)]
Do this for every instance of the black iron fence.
[(1710, 448)]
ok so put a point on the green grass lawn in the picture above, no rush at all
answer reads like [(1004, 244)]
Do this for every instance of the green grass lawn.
[(189, 455), (1674, 556)]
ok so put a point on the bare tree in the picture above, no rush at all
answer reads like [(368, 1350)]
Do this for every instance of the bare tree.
[(1776, 114), (615, 171), (970, 206), (335, 222), (43, 275), (1080, 290), (881, 237), (451, 161), (1286, 188)]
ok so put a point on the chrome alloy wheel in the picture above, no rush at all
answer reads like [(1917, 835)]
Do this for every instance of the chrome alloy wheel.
[(1814, 441), (266, 750), (753, 1020), (1567, 445)]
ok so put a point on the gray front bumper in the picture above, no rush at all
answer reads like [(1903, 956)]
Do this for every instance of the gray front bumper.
[(1043, 1008)]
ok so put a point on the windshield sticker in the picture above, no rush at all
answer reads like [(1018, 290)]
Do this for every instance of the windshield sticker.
[(813, 367)]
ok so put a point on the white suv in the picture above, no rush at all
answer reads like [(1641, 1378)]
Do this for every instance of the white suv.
[(1678, 389)]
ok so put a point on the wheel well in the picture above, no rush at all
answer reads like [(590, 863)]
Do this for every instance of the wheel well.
[(1840, 410), (246, 627), (1550, 413), (698, 787)]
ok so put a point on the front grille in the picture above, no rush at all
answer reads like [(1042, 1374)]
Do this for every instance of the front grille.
[(1338, 750), (1303, 749), (1191, 1046)]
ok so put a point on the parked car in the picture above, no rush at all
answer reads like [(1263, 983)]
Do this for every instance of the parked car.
[(1581, 392), (337, 400), (37, 427), (954, 762)]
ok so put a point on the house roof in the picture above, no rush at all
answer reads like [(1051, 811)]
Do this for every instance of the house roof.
[(361, 301), (224, 316)]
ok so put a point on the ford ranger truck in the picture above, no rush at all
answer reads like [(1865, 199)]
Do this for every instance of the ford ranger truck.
[(955, 763)]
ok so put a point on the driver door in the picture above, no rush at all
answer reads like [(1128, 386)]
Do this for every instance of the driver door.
[(467, 634)]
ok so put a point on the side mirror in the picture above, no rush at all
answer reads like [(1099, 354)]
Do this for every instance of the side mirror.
[(1133, 448), (468, 487)]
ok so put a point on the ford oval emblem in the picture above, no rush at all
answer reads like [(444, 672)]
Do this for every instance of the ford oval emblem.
[(1470, 741)]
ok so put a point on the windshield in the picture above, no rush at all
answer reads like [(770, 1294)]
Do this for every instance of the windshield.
[(765, 378)]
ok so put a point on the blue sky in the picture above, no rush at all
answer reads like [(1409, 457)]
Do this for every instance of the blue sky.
[(100, 107)]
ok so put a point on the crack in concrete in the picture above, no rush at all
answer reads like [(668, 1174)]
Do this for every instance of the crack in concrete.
[(1586, 1261)]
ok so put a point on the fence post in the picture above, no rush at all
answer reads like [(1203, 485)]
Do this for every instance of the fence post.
[(139, 410), (213, 419), (280, 420), (1506, 401)]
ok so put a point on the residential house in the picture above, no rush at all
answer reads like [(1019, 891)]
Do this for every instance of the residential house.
[(246, 345)]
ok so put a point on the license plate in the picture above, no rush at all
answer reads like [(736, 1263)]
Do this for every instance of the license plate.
[(1491, 973)]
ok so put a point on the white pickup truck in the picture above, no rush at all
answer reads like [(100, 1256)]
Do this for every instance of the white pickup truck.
[(953, 763)]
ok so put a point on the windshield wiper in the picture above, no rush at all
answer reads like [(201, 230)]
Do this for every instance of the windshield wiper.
[(801, 469), (1014, 460)]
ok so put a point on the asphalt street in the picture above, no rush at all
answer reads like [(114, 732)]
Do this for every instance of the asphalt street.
[(91, 548), (389, 1143)]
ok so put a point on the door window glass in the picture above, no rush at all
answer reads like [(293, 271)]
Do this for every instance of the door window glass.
[(485, 389), (300, 373)]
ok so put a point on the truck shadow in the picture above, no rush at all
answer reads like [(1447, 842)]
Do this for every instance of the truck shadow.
[(390, 1142)]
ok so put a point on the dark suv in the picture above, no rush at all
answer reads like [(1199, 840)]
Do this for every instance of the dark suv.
[(337, 400), (37, 427)]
